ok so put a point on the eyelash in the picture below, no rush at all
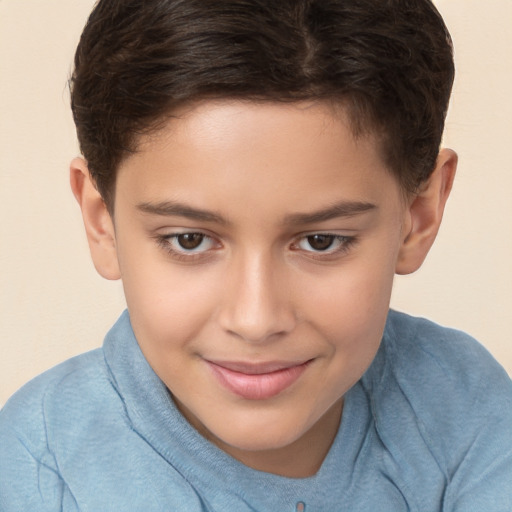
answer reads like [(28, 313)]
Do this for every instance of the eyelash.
[(166, 242), (345, 243)]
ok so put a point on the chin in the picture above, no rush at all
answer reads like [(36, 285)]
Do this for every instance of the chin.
[(259, 435)]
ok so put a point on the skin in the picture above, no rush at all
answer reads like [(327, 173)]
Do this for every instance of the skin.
[(256, 287)]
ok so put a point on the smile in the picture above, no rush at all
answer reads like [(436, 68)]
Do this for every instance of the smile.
[(257, 382)]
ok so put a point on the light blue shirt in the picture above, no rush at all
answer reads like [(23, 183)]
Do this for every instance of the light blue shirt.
[(427, 428)]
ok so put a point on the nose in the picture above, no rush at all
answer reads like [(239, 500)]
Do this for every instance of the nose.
[(257, 304)]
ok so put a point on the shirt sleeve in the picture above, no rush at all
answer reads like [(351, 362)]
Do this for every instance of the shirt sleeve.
[(26, 483), (29, 476), (483, 480), (462, 403)]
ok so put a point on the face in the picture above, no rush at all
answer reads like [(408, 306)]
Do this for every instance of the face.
[(257, 245)]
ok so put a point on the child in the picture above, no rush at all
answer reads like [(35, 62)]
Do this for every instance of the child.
[(256, 172)]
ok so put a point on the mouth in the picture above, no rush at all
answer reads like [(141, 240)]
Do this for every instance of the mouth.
[(257, 381)]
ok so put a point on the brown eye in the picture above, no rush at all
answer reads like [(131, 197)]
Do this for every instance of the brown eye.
[(324, 246), (188, 246), (320, 242), (190, 241)]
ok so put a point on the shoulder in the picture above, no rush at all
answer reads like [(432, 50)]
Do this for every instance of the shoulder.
[(442, 403), (52, 396), (48, 407), (73, 376), (424, 355)]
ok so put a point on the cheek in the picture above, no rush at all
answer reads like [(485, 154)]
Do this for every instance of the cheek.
[(351, 298), (350, 308), (168, 304)]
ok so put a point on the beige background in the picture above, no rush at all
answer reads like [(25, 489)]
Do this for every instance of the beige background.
[(52, 303)]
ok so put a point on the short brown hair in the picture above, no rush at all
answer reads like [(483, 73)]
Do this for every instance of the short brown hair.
[(389, 62)]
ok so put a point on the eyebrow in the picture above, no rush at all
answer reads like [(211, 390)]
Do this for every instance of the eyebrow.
[(176, 209), (336, 210)]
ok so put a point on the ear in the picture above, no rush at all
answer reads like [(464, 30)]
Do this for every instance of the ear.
[(97, 220), (424, 213)]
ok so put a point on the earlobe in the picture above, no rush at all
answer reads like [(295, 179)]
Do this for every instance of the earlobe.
[(424, 213), (98, 223)]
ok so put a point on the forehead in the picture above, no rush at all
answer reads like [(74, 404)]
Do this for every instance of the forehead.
[(231, 152)]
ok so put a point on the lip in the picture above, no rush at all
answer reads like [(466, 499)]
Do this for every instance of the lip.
[(257, 381)]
